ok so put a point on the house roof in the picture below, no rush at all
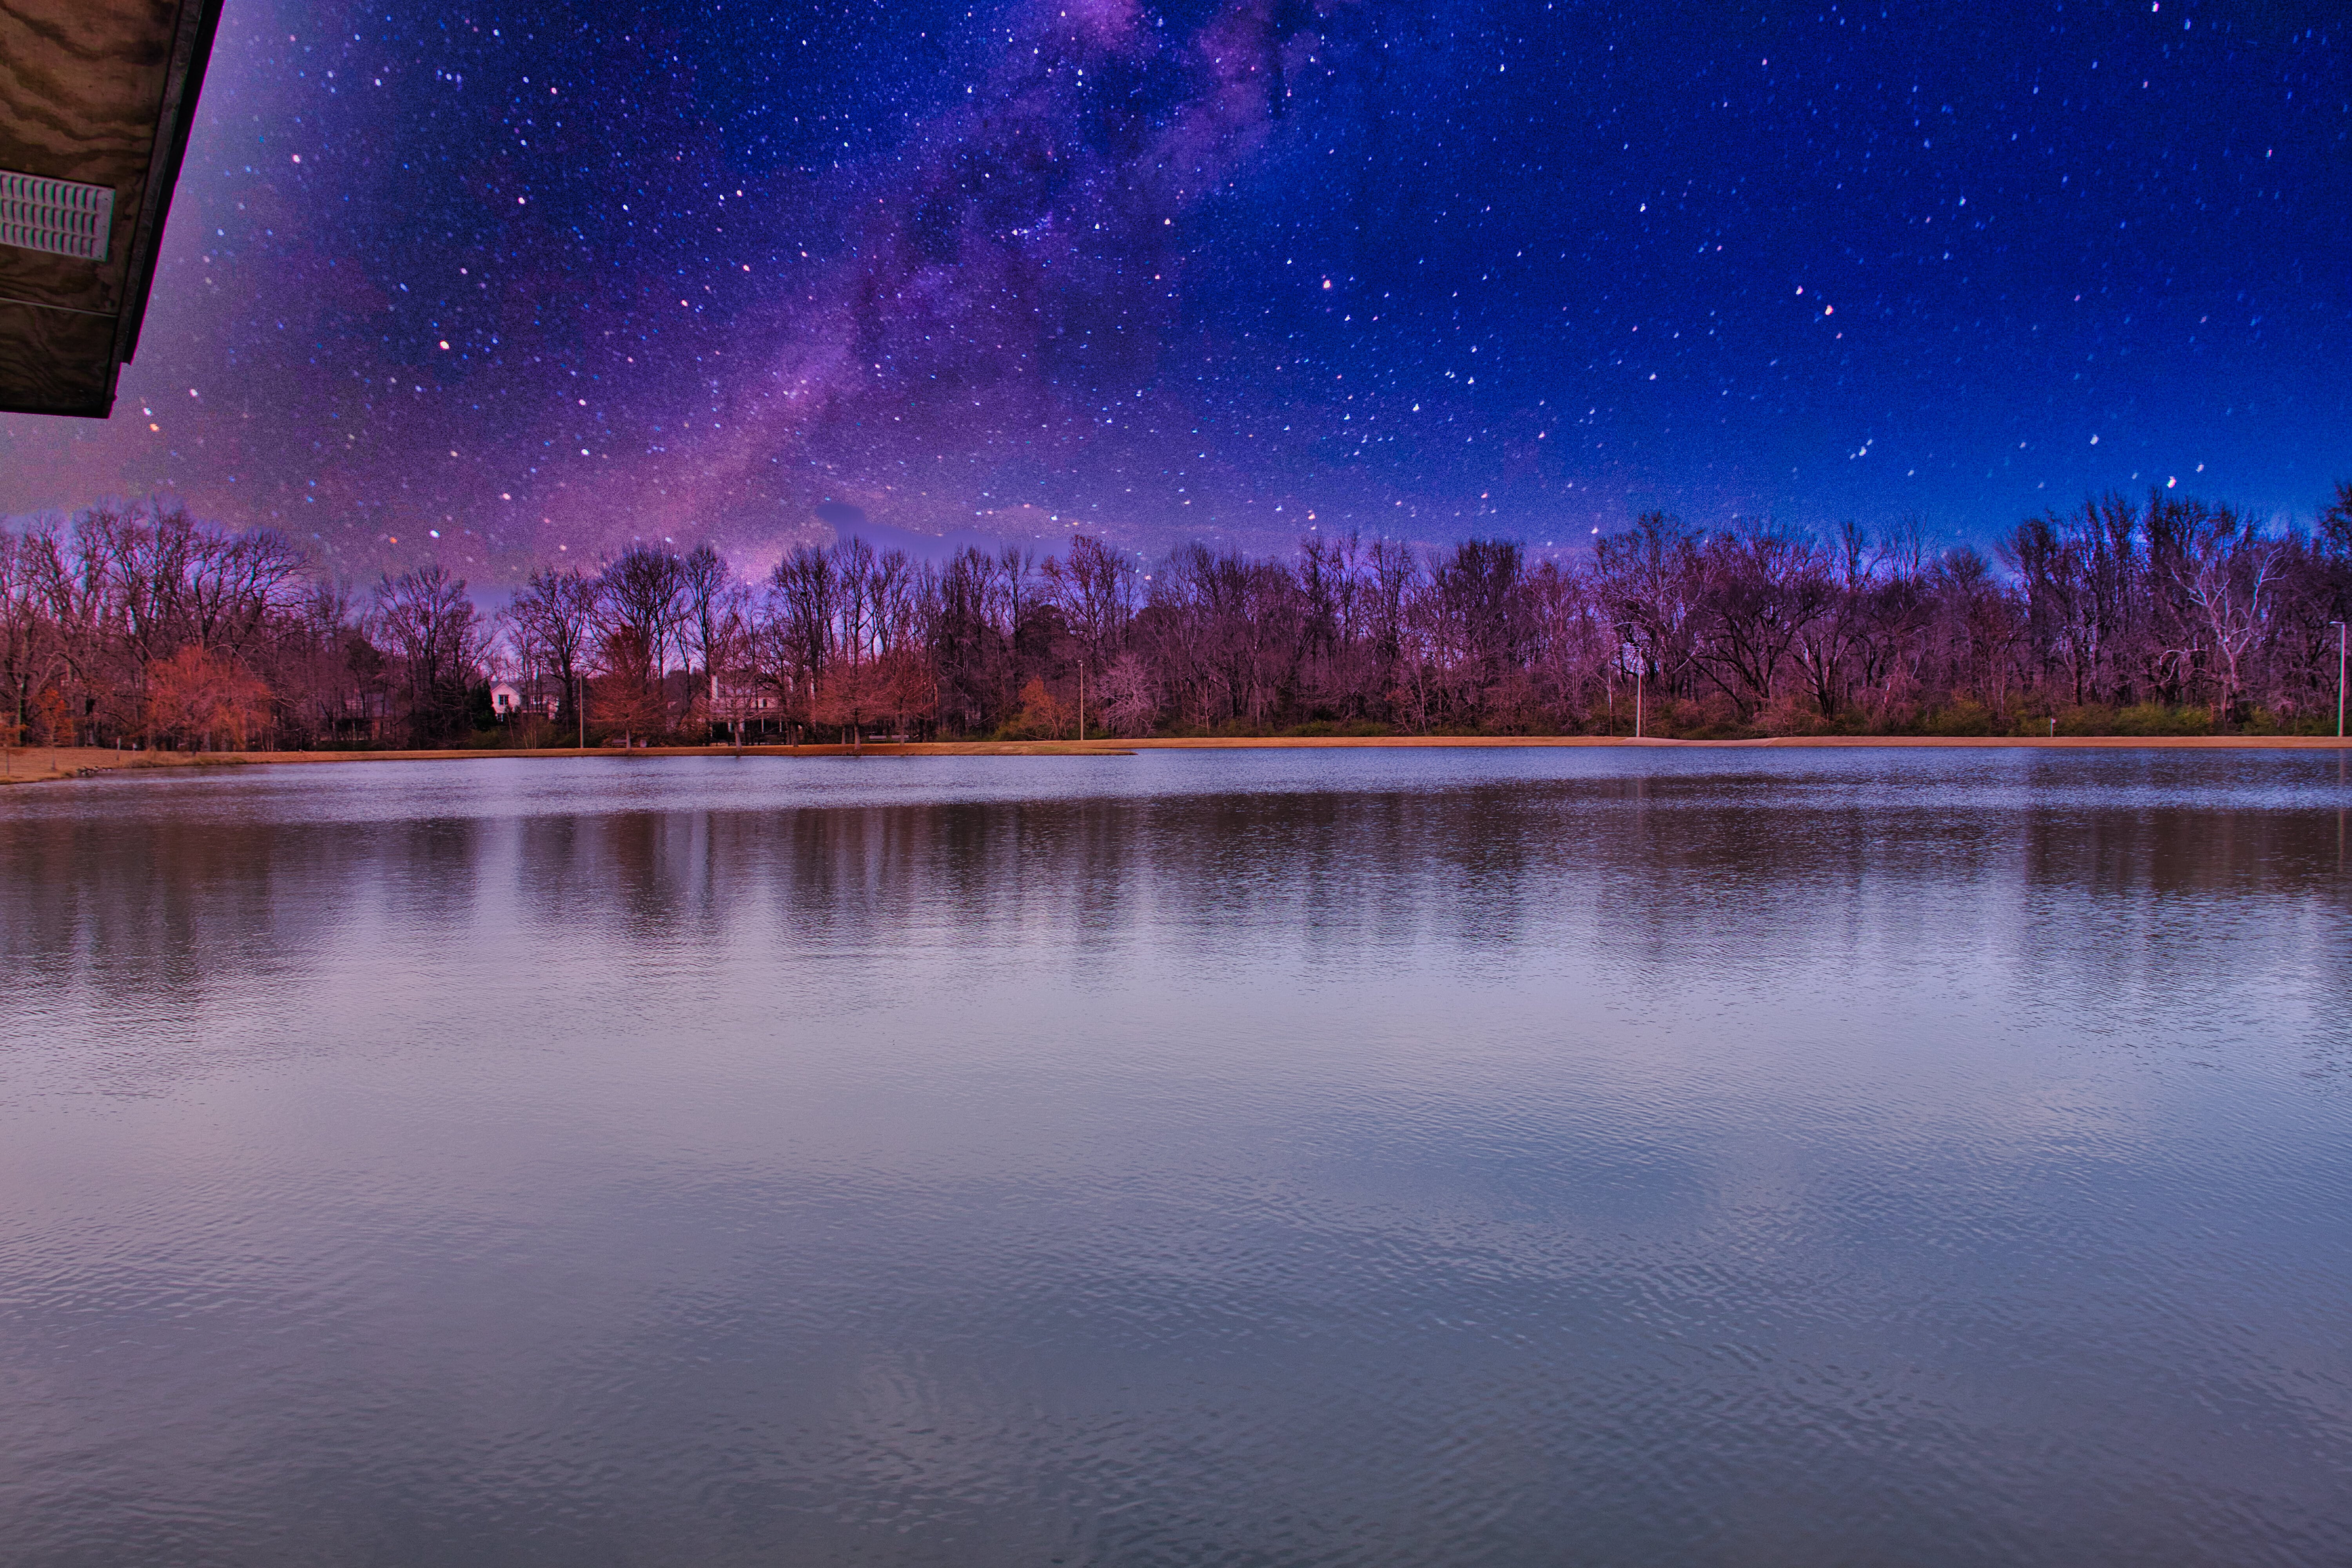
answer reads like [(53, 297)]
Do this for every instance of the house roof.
[(99, 95)]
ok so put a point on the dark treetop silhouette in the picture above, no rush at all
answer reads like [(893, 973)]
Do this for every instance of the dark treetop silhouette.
[(144, 625)]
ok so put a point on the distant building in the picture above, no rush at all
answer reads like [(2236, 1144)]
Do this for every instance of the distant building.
[(741, 703), (358, 715), (514, 699)]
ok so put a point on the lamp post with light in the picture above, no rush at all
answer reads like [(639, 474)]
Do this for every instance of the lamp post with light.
[(1641, 664), (1629, 656)]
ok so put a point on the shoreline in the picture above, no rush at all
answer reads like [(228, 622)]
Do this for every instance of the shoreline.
[(38, 764)]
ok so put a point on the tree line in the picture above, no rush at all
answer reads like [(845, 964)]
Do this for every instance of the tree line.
[(143, 625)]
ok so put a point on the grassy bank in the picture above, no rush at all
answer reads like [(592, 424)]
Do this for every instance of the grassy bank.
[(37, 765)]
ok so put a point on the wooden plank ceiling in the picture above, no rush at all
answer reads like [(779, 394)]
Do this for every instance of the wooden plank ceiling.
[(98, 93)]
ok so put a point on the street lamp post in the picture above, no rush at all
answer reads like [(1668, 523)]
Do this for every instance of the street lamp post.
[(2340, 631)]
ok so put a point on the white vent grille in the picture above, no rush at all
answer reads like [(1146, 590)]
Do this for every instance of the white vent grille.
[(55, 216)]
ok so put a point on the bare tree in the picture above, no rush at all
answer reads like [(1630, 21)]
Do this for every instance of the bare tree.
[(645, 595), (2231, 573), (439, 638), (554, 620), (708, 587)]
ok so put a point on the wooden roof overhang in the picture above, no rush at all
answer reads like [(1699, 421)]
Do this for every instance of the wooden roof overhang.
[(96, 98)]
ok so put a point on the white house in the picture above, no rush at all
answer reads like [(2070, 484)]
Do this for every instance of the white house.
[(510, 698)]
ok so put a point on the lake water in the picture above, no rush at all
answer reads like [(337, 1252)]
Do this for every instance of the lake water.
[(1239, 1158)]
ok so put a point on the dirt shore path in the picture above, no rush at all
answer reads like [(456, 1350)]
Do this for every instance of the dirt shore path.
[(33, 764)]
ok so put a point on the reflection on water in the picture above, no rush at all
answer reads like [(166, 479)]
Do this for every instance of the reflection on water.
[(1354, 1157)]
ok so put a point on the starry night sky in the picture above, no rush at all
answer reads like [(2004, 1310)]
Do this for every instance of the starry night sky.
[(1223, 267)]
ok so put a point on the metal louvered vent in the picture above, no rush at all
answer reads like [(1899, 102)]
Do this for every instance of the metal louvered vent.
[(55, 216)]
